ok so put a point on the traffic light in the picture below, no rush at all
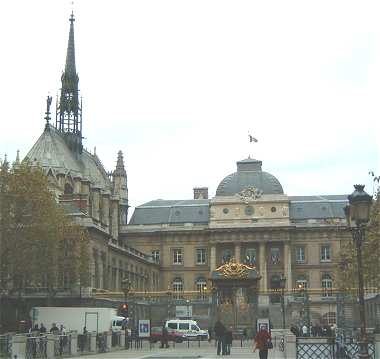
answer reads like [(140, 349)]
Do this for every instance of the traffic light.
[(124, 310)]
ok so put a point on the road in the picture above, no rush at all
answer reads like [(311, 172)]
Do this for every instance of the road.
[(181, 351)]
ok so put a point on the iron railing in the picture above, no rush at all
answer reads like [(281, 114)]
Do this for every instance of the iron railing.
[(5, 346), (62, 345), (84, 343), (36, 347)]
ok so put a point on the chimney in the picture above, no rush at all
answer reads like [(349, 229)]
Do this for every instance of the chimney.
[(200, 192)]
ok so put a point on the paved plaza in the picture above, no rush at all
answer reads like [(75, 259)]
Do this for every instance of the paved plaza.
[(182, 351)]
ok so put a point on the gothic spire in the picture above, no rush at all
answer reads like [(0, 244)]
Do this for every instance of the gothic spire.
[(69, 111), (70, 68), (120, 170)]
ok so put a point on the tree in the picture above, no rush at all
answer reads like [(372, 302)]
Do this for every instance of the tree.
[(370, 253), (40, 247)]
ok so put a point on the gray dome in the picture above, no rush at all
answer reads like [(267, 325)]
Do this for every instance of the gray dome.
[(249, 174)]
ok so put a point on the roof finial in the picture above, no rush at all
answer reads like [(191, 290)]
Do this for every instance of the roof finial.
[(120, 170), (18, 157), (47, 113)]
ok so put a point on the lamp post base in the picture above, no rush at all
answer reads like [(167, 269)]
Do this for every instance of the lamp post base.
[(363, 350)]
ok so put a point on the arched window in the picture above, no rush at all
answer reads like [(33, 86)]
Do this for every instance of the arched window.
[(327, 284), (201, 287), (68, 189), (177, 287)]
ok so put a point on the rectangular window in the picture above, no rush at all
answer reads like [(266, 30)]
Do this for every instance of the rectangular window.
[(325, 253), (300, 254), (177, 256), (275, 255), (250, 256), (156, 255), (201, 255)]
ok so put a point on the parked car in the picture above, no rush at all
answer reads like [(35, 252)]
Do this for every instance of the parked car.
[(187, 328), (156, 334)]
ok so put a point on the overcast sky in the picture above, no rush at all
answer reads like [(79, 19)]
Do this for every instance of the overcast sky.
[(177, 86)]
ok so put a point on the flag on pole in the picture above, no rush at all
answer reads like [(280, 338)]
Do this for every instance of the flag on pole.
[(252, 139)]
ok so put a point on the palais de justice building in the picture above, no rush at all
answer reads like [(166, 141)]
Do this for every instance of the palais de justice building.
[(186, 245)]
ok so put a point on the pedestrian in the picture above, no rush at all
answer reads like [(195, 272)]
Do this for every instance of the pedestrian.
[(304, 330), (228, 341), (164, 337), (62, 330), (219, 330), (54, 329), (42, 328), (245, 334), (263, 342)]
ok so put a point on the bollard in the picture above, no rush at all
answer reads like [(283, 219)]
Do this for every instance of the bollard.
[(50, 345), (109, 340), (74, 343), (19, 346), (93, 342)]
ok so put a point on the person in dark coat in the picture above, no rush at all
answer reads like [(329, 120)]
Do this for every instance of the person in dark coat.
[(219, 330), (164, 337), (228, 341)]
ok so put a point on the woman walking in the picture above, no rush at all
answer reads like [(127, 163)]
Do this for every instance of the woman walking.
[(263, 342)]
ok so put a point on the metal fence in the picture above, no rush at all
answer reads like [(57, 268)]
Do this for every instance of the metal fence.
[(314, 349), (116, 339), (352, 350), (101, 341), (5, 346), (36, 347), (62, 345), (84, 343)]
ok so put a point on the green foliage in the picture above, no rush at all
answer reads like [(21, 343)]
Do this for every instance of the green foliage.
[(370, 254), (39, 245)]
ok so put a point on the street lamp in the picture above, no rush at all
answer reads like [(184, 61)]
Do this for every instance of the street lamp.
[(357, 215), (303, 289), (126, 288), (282, 286)]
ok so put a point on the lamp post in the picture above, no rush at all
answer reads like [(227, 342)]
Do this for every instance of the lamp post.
[(126, 288), (168, 298), (306, 304), (282, 286), (357, 214)]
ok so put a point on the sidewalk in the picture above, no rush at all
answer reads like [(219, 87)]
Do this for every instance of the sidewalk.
[(181, 351)]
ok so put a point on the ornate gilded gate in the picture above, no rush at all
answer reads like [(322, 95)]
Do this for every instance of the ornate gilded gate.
[(234, 293)]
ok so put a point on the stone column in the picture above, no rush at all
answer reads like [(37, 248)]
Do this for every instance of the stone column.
[(237, 252), (51, 339), (263, 298), (290, 346), (19, 346), (213, 258), (109, 341), (93, 347), (74, 343), (288, 266), (377, 346)]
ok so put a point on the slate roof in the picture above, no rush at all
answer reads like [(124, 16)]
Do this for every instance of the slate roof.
[(51, 152), (174, 212), (317, 207)]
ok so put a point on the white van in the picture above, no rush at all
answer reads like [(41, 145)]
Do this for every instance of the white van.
[(187, 328)]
